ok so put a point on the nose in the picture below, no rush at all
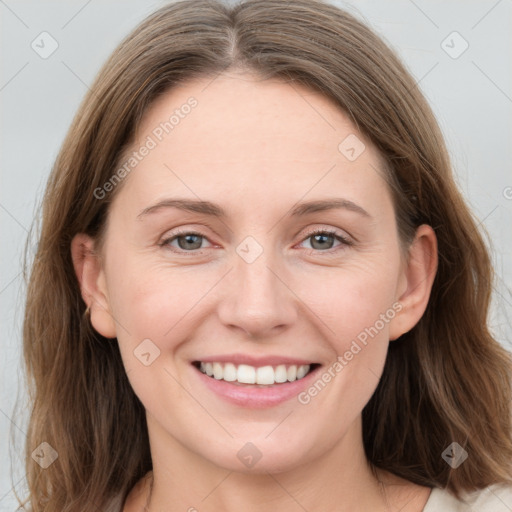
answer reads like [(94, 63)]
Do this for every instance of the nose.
[(257, 299)]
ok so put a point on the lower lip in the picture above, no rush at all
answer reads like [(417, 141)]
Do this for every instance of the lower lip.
[(254, 397)]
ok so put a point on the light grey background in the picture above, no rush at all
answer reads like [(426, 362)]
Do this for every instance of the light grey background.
[(471, 96)]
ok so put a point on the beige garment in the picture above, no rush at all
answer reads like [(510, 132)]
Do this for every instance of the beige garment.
[(491, 499)]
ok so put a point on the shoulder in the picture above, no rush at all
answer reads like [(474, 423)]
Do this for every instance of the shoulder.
[(495, 498)]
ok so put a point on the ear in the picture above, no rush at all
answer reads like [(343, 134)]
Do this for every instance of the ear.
[(91, 278), (416, 281)]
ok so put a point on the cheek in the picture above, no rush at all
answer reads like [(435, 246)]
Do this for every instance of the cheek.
[(357, 304), (352, 300), (155, 309), (357, 308), (154, 300)]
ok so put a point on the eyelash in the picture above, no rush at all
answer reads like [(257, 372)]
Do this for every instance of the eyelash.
[(329, 232)]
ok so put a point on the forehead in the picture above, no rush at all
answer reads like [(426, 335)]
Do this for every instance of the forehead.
[(240, 112), (252, 137)]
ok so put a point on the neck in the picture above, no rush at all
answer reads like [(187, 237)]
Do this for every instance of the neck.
[(183, 480)]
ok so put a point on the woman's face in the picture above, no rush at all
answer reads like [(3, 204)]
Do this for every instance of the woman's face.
[(210, 256)]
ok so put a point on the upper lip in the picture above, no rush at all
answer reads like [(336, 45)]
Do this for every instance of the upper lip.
[(254, 360)]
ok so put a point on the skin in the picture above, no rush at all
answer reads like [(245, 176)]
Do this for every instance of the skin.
[(256, 148)]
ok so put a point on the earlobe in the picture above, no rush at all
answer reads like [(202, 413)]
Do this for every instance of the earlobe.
[(91, 278), (417, 279)]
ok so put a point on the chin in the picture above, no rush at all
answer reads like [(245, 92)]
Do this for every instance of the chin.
[(261, 456)]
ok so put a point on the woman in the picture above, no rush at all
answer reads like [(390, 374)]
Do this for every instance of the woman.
[(257, 286)]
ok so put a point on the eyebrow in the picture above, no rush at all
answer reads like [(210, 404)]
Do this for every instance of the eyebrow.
[(214, 210)]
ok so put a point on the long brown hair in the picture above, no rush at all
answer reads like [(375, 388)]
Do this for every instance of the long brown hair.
[(447, 380)]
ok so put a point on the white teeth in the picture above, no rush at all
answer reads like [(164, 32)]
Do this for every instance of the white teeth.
[(301, 372), (229, 372), (291, 373), (265, 375), (218, 372), (246, 374), (281, 374)]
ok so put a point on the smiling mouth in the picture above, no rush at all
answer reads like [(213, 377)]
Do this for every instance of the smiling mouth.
[(258, 376)]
